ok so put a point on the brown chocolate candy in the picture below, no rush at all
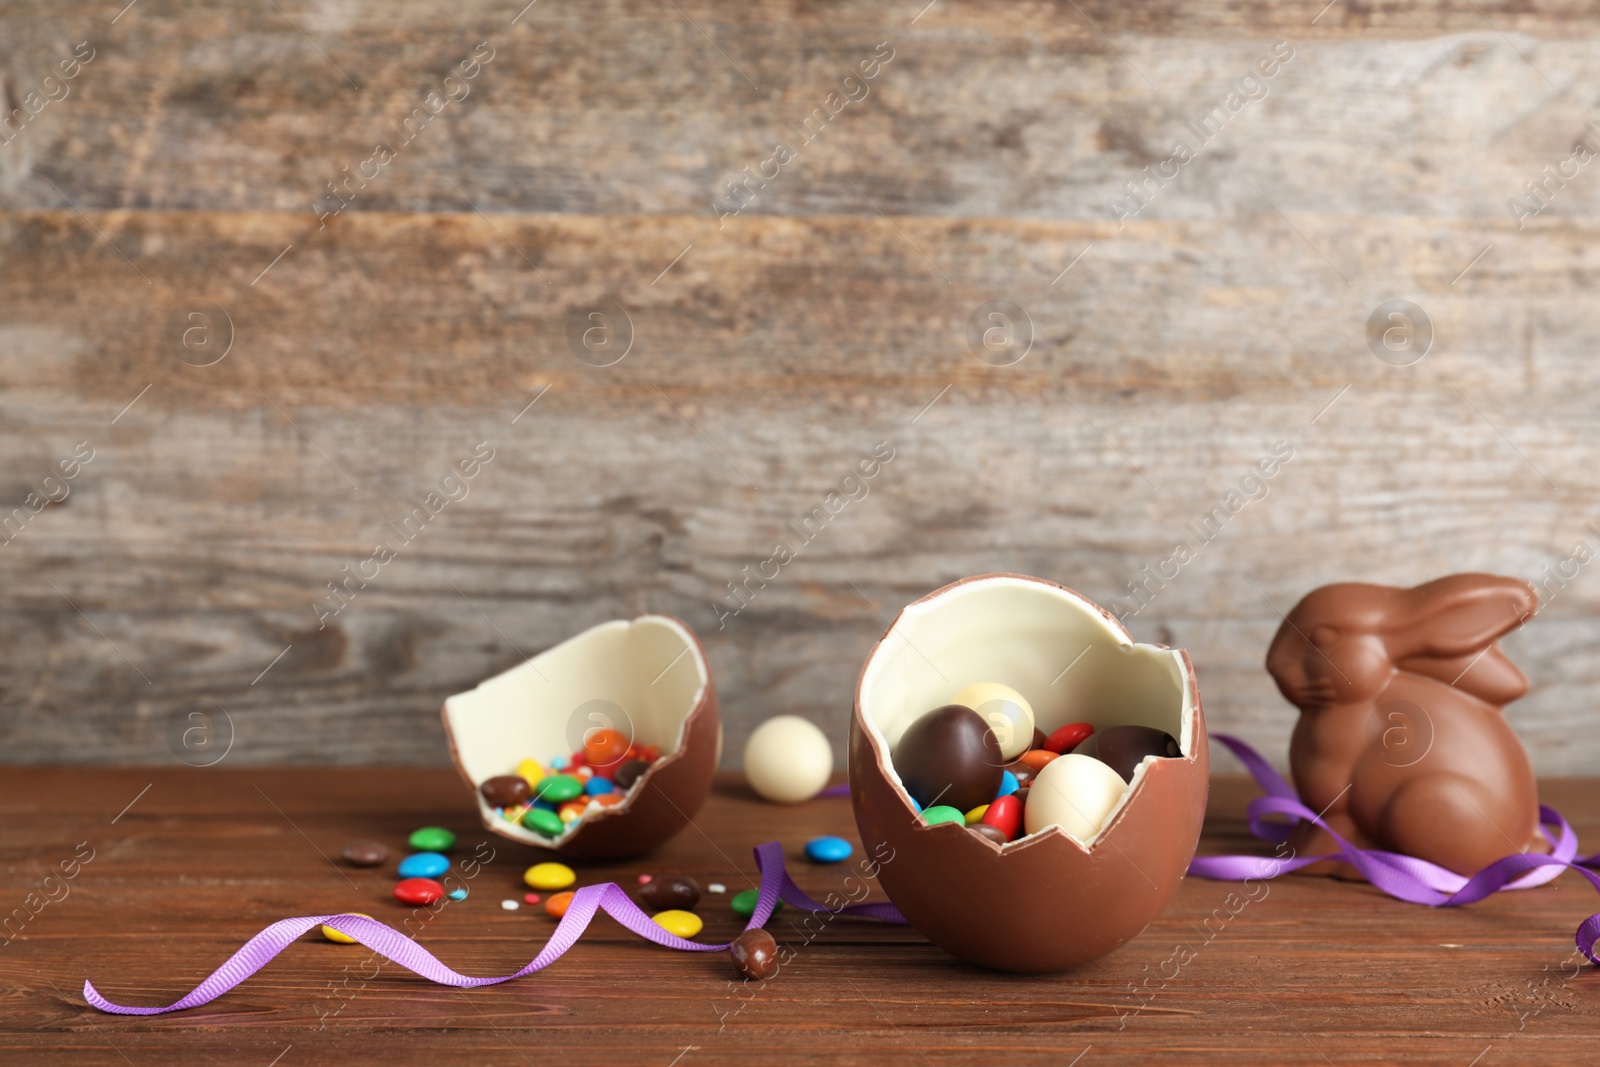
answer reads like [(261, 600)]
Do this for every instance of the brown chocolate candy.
[(365, 853), (1122, 748), (1022, 795), (755, 954), (949, 756), (669, 891), (1024, 773), (993, 833), (628, 773), (504, 790)]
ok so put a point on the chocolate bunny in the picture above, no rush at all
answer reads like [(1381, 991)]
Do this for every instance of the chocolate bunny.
[(1401, 742)]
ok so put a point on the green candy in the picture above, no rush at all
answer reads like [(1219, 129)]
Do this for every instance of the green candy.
[(943, 813), (432, 839), (744, 904), (547, 823), (558, 787)]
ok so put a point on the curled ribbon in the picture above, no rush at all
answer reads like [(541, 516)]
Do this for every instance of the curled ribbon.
[(1403, 877), (398, 948)]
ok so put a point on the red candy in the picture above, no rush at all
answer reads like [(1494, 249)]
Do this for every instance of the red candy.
[(418, 891), (1005, 815), (1068, 737)]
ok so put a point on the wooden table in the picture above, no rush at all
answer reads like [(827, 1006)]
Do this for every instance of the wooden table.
[(187, 864)]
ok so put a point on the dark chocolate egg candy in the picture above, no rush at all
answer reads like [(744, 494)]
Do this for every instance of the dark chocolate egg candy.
[(949, 756), (1122, 748)]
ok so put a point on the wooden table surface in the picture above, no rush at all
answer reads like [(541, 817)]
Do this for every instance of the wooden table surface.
[(187, 864)]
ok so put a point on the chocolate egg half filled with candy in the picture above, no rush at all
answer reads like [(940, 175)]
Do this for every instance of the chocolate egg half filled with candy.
[(1048, 901), (647, 680)]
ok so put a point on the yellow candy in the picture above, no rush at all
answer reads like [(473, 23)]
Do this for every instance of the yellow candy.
[(531, 771), (976, 814), (549, 876), (338, 938), (682, 923)]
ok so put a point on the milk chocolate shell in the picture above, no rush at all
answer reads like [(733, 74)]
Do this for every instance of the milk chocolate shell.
[(1046, 902), (648, 678)]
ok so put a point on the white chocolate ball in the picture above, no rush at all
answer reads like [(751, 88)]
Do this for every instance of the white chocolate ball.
[(1006, 711), (788, 759), (1073, 792)]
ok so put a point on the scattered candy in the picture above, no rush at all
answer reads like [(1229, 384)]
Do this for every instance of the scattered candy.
[(549, 876), (365, 853), (1076, 793), (582, 772), (671, 891), (645, 879), (572, 810), (602, 748), (598, 786), (744, 904), (625, 775), (943, 813), (828, 850), (458, 894), (432, 839), (556, 904), (983, 829), (1008, 715), (755, 954), (1008, 784), (530, 898), (530, 771), (949, 757), (560, 763), (418, 891), (1067, 738), (543, 821), (423, 865), (509, 905), (682, 923), (1123, 748), (717, 887), (976, 814), (788, 759), (504, 790), (338, 937), (1037, 758)]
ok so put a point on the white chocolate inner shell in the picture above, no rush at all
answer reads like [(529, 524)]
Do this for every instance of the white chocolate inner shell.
[(648, 668), (1024, 634)]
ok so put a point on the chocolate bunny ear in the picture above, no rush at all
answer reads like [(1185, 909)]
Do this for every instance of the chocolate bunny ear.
[(1460, 615)]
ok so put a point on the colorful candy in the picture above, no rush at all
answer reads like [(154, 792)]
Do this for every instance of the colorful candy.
[(558, 788), (1036, 759), (339, 937), (682, 923), (671, 891), (754, 954), (423, 865), (504, 790), (744, 904), (530, 772), (458, 894), (364, 853), (418, 891), (598, 786), (943, 813), (572, 810), (1005, 815), (602, 748), (431, 839), (530, 898), (509, 905), (1067, 738), (629, 772), (556, 903), (549, 876), (983, 829), (975, 815), (543, 821), (828, 850), (1008, 783), (1008, 715)]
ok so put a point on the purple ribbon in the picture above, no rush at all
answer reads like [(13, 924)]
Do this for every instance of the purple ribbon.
[(398, 948), (1406, 878)]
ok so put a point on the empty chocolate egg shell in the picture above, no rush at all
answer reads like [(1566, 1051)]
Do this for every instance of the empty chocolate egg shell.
[(1047, 901), (647, 679)]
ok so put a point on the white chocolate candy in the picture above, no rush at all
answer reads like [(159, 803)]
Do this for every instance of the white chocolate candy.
[(1006, 711), (788, 759), (1073, 792)]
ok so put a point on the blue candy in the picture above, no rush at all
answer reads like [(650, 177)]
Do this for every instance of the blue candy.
[(558, 763), (828, 850), (599, 787), (1008, 784), (915, 806), (458, 894), (424, 865)]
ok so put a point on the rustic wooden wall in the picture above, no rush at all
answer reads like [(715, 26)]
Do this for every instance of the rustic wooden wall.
[(771, 349)]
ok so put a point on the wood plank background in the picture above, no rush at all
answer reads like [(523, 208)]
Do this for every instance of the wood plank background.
[(770, 350)]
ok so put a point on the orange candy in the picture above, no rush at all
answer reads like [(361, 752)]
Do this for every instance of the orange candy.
[(1037, 758), (556, 903), (581, 771), (570, 810), (602, 748), (606, 800)]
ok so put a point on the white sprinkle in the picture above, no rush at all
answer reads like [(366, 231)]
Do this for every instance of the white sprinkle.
[(510, 905), (717, 887)]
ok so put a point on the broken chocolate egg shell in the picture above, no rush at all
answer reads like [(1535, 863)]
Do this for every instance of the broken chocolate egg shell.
[(647, 678), (1048, 901)]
